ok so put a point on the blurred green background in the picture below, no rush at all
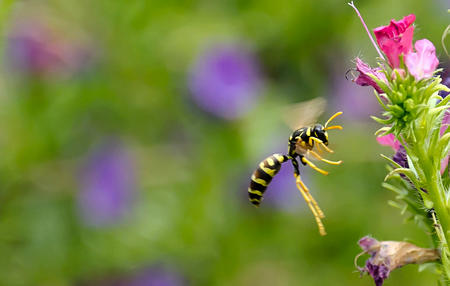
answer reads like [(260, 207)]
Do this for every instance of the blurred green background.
[(129, 131)]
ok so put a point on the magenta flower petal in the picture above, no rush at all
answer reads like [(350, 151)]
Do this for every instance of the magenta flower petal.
[(396, 38), (424, 62), (365, 71), (389, 140)]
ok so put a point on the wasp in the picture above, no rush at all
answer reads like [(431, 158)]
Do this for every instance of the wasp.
[(301, 147)]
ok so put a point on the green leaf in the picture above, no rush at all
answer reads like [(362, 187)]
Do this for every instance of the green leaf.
[(396, 110), (408, 173), (443, 143), (438, 110), (380, 83), (380, 101), (394, 189), (391, 161), (383, 121), (444, 101), (384, 130), (395, 204)]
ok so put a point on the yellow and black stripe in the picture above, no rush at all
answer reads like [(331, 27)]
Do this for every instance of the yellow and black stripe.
[(263, 175)]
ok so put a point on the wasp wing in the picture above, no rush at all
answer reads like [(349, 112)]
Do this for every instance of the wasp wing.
[(304, 113)]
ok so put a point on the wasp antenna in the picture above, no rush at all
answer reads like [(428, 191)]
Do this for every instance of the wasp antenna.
[(334, 127), (333, 117)]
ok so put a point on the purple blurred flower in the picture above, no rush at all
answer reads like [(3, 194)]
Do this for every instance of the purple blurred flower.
[(225, 81), (36, 48), (107, 185), (158, 276)]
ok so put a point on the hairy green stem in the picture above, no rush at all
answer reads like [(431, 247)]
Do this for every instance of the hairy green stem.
[(435, 191)]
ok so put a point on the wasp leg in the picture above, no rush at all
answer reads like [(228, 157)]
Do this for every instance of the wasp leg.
[(311, 164), (319, 149), (320, 142), (324, 160), (333, 117), (311, 206), (334, 127), (295, 164), (302, 185)]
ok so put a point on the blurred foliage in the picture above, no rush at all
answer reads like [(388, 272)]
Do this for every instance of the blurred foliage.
[(188, 210)]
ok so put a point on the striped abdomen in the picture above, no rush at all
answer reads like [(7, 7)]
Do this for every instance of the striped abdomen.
[(262, 176)]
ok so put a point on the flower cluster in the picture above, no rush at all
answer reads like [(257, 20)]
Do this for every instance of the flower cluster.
[(395, 40), (416, 114), (404, 83)]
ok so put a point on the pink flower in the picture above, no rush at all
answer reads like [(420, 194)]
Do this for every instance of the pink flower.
[(365, 71), (389, 140), (396, 39), (424, 62)]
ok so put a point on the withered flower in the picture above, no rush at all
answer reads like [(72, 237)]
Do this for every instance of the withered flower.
[(389, 255)]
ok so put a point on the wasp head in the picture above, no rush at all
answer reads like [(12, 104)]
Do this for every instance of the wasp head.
[(320, 133)]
